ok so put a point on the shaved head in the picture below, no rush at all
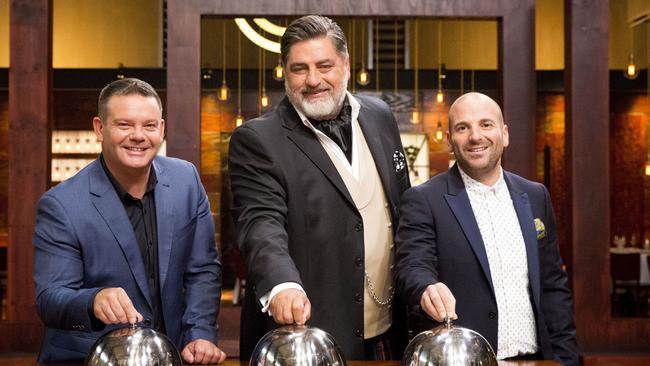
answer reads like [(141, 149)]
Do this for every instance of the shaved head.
[(473, 97), (477, 136)]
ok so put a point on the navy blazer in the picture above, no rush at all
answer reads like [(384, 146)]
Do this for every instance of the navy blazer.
[(439, 240), (84, 242)]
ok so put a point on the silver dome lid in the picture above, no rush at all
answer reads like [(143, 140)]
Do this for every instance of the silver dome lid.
[(297, 345), (447, 345), (133, 346)]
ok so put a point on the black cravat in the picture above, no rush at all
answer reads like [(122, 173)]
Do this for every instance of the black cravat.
[(339, 129)]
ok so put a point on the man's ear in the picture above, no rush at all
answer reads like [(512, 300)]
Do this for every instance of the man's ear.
[(98, 127)]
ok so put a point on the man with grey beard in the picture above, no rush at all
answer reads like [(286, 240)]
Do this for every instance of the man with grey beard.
[(316, 186)]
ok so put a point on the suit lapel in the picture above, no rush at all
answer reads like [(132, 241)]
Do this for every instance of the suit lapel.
[(458, 201), (112, 211), (308, 143), (527, 224), (164, 219), (368, 123)]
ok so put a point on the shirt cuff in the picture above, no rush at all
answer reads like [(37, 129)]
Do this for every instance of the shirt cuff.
[(266, 299)]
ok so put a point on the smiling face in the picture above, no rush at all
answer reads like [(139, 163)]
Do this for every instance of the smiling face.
[(131, 134), (477, 135), (317, 78)]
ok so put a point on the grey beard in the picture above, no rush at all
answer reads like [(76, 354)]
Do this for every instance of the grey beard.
[(318, 110)]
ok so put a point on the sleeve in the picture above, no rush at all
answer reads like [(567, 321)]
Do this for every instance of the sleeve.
[(265, 300), (416, 247), (556, 304), (202, 279), (260, 212), (61, 301)]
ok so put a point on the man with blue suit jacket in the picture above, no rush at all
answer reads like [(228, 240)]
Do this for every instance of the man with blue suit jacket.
[(478, 244), (129, 239)]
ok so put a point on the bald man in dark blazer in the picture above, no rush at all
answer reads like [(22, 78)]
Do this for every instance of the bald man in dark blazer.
[(478, 244)]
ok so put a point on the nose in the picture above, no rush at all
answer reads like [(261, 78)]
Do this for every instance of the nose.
[(137, 134), (313, 78), (475, 134)]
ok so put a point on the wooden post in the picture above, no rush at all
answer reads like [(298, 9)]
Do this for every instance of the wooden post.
[(30, 90)]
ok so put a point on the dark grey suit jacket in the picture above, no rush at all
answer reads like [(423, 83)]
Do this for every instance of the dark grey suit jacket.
[(296, 221), (438, 240)]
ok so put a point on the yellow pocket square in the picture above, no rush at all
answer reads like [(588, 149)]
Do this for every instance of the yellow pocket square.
[(540, 228)]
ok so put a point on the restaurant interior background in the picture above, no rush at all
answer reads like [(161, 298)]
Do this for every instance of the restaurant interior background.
[(417, 65)]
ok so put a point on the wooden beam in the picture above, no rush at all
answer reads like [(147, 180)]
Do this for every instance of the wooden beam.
[(184, 81), (30, 91), (587, 159), (518, 90)]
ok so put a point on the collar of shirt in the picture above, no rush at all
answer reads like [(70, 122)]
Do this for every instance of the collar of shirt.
[(479, 189), (353, 167), (121, 192)]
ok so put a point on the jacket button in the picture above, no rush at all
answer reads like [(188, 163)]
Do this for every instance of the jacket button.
[(358, 227), (147, 322), (492, 315), (358, 333), (358, 261), (357, 296)]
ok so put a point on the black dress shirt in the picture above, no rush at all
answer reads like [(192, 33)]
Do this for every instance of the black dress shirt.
[(142, 214)]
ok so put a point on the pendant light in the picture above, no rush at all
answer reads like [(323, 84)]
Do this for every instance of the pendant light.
[(278, 70), (440, 134), (264, 99), (239, 119), (415, 114), (439, 95), (224, 91), (363, 76), (631, 71)]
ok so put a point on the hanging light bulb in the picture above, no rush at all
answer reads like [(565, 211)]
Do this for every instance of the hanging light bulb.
[(239, 119), (647, 166), (631, 72), (120, 72), (264, 99), (363, 76), (439, 132), (439, 96), (415, 116), (278, 72), (224, 92)]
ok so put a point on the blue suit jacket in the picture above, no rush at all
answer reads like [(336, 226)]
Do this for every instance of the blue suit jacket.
[(84, 242), (439, 240)]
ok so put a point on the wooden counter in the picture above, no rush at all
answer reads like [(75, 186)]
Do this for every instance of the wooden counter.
[(30, 360)]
